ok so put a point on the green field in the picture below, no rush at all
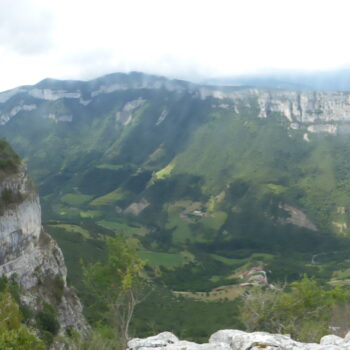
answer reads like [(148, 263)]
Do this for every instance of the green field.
[(75, 198), (107, 199), (123, 227), (155, 259), (72, 228), (91, 213)]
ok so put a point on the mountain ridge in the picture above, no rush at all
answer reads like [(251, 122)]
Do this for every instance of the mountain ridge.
[(295, 106), (188, 169)]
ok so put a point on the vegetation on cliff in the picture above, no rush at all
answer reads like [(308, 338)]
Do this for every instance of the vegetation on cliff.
[(9, 160), (14, 330)]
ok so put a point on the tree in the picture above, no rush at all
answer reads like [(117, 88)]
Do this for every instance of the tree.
[(14, 334), (302, 310), (118, 283)]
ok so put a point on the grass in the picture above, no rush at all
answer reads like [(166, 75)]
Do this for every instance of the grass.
[(230, 292), (67, 212), (123, 227), (226, 261), (276, 189), (75, 199), (91, 214), (73, 228), (342, 275), (155, 259), (107, 199), (165, 172), (214, 201), (215, 221), (110, 166), (181, 225), (182, 232), (244, 263)]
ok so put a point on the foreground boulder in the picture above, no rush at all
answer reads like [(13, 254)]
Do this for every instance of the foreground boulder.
[(230, 339)]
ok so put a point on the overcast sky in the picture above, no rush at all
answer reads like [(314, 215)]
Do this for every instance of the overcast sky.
[(190, 39)]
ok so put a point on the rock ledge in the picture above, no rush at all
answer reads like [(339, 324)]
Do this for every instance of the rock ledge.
[(230, 339)]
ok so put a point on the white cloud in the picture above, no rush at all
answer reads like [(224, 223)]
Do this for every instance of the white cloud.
[(187, 39), (25, 27)]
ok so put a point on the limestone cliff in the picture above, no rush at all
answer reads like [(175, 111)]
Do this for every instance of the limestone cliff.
[(315, 112), (30, 254), (312, 111)]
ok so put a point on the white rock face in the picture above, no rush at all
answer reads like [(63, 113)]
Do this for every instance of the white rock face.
[(6, 95), (162, 117), (39, 270), (125, 116), (157, 341), (19, 228), (53, 95), (320, 112), (20, 223), (323, 128), (33, 256), (5, 117), (315, 112), (137, 207), (296, 217), (147, 83), (169, 341), (230, 339), (59, 118), (331, 340)]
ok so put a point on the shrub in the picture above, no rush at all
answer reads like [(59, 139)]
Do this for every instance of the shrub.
[(13, 334), (303, 310), (46, 321)]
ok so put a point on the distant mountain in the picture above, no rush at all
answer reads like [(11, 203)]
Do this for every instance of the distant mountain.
[(337, 80), (209, 179)]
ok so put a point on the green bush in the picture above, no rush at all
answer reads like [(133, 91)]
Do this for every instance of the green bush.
[(302, 310), (13, 334), (9, 160), (46, 322), (20, 339)]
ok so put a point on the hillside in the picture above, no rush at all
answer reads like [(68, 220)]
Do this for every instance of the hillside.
[(211, 180)]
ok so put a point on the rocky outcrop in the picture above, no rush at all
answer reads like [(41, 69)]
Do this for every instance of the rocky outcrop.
[(238, 340), (30, 254), (20, 222), (137, 207), (316, 112), (5, 117), (296, 217), (125, 116)]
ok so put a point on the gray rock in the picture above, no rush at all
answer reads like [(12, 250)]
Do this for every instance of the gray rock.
[(230, 339), (34, 257), (238, 340), (157, 341), (332, 340)]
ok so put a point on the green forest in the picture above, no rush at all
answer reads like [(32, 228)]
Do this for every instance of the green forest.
[(164, 201)]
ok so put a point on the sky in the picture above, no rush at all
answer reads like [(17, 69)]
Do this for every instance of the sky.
[(187, 39)]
